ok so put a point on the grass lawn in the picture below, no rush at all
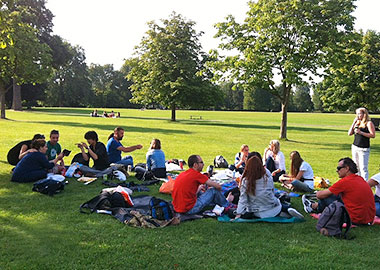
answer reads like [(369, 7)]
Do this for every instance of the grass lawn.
[(42, 232)]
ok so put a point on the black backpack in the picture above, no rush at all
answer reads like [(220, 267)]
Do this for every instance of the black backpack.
[(220, 162), (48, 186), (331, 221), (160, 209)]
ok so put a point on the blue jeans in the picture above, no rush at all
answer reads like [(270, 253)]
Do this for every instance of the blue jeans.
[(210, 197), (323, 203), (126, 161), (301, 186)]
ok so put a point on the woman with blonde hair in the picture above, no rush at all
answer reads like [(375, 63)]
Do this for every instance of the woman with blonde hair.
[(363, 129), (301, 177), (274, 160)]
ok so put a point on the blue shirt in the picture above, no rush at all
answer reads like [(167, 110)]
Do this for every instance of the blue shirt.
[(114, 155), (155, 158), (35, 161)]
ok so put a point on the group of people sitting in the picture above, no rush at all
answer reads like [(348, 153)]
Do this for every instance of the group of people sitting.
[(35, 158), (112, 114), (194, 190)]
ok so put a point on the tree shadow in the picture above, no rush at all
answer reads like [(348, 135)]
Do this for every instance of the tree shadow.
[(326, 146), (111, 127), (255, 126)]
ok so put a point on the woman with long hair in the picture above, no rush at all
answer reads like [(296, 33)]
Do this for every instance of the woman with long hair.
[(363, 130), (274, 160), (257, 198), (301, 177)]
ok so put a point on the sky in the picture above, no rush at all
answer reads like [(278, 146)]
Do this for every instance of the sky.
[(109, 30)]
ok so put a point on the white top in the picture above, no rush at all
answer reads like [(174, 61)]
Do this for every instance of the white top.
[(307, 171), (376, 178), (279, 161)]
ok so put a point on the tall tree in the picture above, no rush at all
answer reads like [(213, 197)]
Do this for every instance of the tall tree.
[(354, 74), (71, 85), (167, 67), (233, 99), (23, 57), (288, 38), (35, 14), (302, 99)]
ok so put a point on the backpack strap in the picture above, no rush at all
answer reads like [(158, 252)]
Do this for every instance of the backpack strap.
[(345, 219)]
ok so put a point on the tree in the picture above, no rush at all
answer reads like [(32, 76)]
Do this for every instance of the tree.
[(354, 74), (168, 67), (233, 99), (110, 87), (35, 14), (302, 100), (70, 85), (23, 57), (258, 99), (288, 38)]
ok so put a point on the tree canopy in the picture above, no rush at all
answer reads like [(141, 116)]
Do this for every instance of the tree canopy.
[(167, 67), (286, 38), (353, 77)]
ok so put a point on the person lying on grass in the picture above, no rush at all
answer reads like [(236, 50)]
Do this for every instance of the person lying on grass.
[(193, 191), (301, 177), (351, 189), (257, 198), (35, 165)]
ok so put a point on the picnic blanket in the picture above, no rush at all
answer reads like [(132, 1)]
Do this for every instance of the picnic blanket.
[(225, 218)]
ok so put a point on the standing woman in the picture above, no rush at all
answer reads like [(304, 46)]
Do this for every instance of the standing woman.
[(363, 129)]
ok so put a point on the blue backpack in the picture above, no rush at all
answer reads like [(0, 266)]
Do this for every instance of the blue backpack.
[(160, 209)]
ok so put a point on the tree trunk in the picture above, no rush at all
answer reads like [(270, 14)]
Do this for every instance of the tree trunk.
[(16, 104), (2, 101), (284, 120), (284, 110), (173, 112)]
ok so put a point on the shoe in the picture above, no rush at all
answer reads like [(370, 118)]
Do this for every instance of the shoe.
[(294, 213), (117, 166), (307, 204)]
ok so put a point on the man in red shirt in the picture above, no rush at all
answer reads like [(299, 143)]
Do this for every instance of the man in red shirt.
[(354, 191), (187, 191)]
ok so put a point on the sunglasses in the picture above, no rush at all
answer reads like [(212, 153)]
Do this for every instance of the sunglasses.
[(339, 167)]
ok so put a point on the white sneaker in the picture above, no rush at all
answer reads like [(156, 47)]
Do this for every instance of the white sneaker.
[(294, 213), (307, 204)]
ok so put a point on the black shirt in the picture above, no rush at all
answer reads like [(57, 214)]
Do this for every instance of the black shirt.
[(100, 150), (360, 140)]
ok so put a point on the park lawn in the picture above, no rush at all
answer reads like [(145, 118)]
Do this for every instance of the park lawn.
[(41, 232)]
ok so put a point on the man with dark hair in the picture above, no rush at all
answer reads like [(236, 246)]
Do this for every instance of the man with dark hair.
[(96, 151), (188, 193), (352, 189), (114, 148)]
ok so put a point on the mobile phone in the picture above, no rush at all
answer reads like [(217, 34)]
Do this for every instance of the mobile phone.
[(66, 152)]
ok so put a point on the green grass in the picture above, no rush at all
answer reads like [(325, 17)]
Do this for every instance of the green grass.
[(41, 232)]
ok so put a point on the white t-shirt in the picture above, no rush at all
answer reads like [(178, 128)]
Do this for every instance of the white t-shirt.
[(376, 178), (307, 171)]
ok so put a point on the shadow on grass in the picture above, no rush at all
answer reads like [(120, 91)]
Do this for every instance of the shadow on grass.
[(328, 146), (255, 126), (111, 127)]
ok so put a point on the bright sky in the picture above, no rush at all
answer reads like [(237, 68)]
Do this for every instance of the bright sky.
[(109, 30)]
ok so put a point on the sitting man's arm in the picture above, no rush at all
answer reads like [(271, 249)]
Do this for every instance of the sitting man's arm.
[(213, 184), (322, 194), (129, 148)]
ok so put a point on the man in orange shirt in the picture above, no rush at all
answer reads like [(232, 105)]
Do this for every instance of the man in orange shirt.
[(354, 191), (187, 191)]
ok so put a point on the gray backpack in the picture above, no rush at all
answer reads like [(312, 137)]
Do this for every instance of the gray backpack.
[(331, 221)]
